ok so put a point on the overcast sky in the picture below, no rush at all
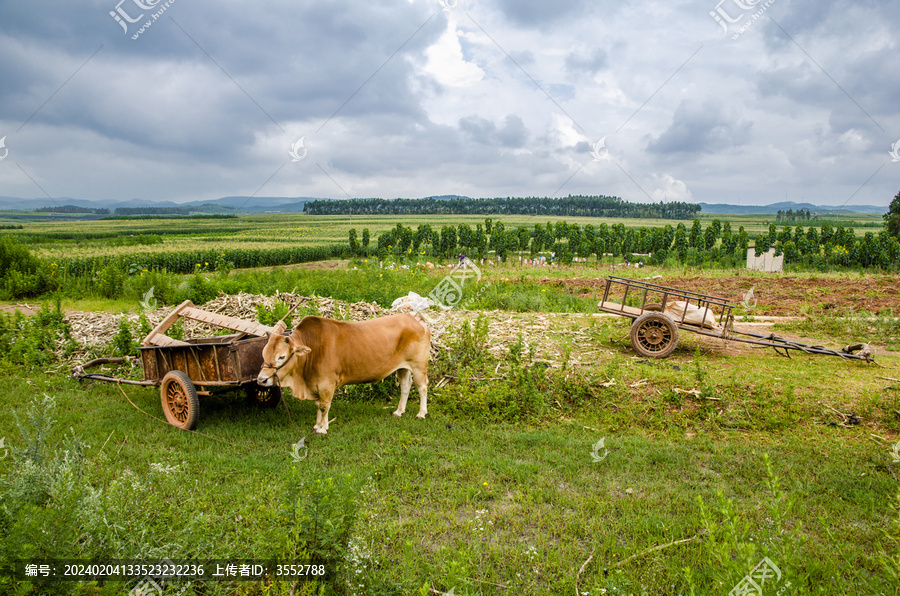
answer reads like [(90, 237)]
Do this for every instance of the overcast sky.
[(646, 100)]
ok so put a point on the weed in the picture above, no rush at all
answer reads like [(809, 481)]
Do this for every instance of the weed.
[(890, 559), (736, 546), (37, 341), (110, 281), (468, 346), (44, 495), (318, 519), (123, 342)]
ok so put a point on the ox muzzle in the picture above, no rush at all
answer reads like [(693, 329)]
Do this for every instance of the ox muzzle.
[(271, 379)]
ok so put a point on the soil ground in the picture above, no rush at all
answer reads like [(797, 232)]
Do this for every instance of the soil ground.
[(780, 296)]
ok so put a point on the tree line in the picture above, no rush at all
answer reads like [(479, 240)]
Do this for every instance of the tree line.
[(716, 245), (571, 206), (790, 215), (72, 209)]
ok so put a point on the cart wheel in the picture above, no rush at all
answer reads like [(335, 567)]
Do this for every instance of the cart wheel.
[(653, 307), (654, 335), (267, 397), (179, 400)]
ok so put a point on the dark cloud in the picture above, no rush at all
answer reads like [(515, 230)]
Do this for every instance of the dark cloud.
[(208, 100), (537, 13), (205, 79), (590, 63), (702, 128), (511, 134)]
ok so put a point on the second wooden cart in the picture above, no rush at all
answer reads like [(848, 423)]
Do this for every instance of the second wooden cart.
[(659, 312)]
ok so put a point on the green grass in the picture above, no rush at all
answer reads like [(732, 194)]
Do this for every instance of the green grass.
[(496, 491), (486, 492)]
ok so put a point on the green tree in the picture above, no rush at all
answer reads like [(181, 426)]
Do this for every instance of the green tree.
[(892, 218), (560, 230), (465, 236), (537, 239), (743, 241), (523, 237), (762, 244), (365, 238), (480, 243), (680, 243), (498, 239), (423, 236), (448, 240), (696, 236), (729, 240), (710, 236), (790, 251), (354, 245)]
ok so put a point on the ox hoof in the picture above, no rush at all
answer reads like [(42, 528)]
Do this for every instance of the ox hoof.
[(421, 415), (398, 413), (320, 431)]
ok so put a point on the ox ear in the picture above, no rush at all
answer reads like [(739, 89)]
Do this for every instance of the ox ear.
[(298, 348)]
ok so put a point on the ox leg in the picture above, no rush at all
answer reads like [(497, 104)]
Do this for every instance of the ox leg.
[(405, 385), (323, 404), (421, 379)]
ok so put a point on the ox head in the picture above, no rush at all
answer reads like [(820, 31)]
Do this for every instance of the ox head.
[(279, 351)]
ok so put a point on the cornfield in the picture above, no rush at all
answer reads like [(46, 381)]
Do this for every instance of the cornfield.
[(188, 260)]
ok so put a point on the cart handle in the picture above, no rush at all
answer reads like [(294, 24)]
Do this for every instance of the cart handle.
[(79, 370)]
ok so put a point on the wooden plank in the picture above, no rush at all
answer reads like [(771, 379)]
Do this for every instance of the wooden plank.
[(225, 321), (167, 342), (165, 324), (617, 308)]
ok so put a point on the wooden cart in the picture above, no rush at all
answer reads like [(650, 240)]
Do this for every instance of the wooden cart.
[(659, 312), (184, 370)]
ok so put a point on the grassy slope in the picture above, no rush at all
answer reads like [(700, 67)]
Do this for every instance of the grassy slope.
[(457, 501), (462, 501)]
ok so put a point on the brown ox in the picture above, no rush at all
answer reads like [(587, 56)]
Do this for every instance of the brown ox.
[(321, 355)]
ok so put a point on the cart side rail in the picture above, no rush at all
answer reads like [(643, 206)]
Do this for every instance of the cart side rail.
[(719, 307)]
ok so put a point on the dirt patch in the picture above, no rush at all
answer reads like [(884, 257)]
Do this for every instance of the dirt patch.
[(320, 265), (780, 296), (25, 309)]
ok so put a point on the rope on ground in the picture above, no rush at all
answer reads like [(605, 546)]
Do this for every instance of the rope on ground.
[(194, 432), (653, 549)]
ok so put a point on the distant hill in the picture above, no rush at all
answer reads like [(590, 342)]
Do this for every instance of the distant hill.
[(236, 204), (774, 208), (244, 204)]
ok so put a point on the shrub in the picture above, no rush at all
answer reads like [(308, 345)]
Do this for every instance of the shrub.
[(160, 281), (43, 499), (110, 282), (318, 519), (199, 289), (123, 342), (34, 342)]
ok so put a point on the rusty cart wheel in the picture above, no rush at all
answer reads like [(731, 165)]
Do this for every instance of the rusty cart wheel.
[(267, 397), (654, 335), (179, 400), (653, 307)]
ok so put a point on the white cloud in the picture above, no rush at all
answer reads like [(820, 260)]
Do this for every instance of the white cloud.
[(446, 62), (666, 188)]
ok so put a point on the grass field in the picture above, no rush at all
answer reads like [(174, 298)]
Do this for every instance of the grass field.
[(65, 239), (559, 464)]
